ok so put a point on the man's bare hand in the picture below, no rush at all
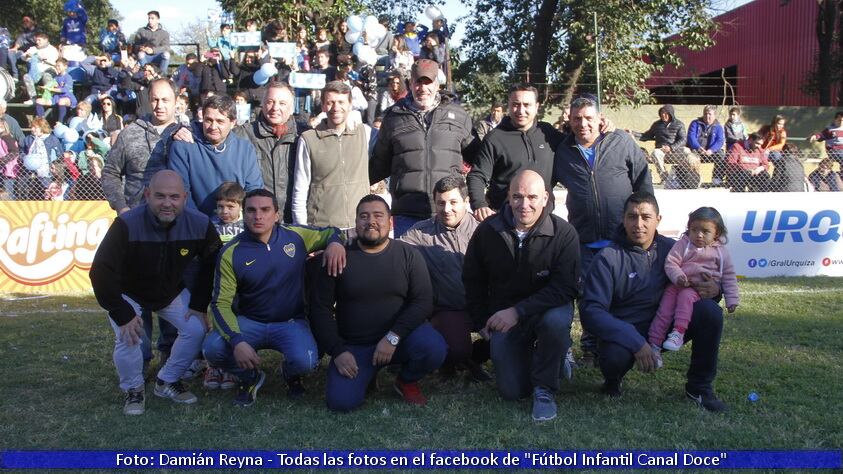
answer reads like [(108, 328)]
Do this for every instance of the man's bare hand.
[(334, 259), (132, 332), (707, 288), (183, 135), (346, 364), (503, 320), (483, 213), (246, 356), (645, 359)]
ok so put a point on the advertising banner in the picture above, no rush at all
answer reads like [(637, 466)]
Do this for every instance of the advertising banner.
[(48, 246), (769, 234)]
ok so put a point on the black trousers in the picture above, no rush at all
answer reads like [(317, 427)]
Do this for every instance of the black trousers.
[(705, 330)]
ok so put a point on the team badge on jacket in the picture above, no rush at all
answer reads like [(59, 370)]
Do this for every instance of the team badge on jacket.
[(290, 250), (184, 252)]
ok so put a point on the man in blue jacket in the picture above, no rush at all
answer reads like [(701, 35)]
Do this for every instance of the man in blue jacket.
[(215, 157), (706, 139), (620, 298)]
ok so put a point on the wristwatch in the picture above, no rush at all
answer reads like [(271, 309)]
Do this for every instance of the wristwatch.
[(392, 338)]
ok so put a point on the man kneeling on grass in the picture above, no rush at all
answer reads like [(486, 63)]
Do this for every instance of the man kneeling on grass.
[(140, 265), (621, 295), (258, 296), (375, 313)]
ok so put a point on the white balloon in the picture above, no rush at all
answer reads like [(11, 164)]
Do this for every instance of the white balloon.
[(375, 33), (352, 36), (367, 55), (71, 136), (356, 48), (60, 130), (370, 21), (355, 23), (433, 12)]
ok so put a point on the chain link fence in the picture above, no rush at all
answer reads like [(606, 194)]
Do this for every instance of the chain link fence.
[(73, 177)]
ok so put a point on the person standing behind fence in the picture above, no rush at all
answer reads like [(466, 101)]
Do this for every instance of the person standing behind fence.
[(788, 172), (735, 130), (833, 138)]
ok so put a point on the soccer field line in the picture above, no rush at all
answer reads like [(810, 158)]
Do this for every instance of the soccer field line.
[(792, 291)]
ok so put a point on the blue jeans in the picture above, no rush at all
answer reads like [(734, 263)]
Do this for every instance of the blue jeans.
[(419, 353), (291, 338), (162, 59), (529, 356), (401, 224)]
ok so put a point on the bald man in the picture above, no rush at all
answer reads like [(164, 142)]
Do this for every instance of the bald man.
[(521, 273), (140, 265)]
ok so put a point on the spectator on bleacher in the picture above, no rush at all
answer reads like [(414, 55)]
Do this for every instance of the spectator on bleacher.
[(13, 125), (24, 41), (748, 166), (187, 76), (89, 186), (395, 91), (423, 139), (341, 46), (788, 172), (401, 58), (39, 149), (413, 36), (9, 158), (112, 122), (385, 44), (7, 59), (214, 157), (322, 42), (153, 43), (212, 76), (833, 138), (85, 120), (139, 146), (42, 61), (57, 93), (183, 114), (734, 129), (113, 41), (669, 134), (104, 79), (73, 26), (490, 122), (432, 49), (322, 65), (705, 140), (368, 81), (824, 178), (774, 135), (222, 43), (127, 88)]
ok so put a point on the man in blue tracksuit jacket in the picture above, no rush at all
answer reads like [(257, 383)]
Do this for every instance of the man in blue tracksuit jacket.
[(621, 295), (258, 296), (215, 157)]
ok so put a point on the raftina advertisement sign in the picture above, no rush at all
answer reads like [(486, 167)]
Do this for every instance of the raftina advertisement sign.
[(48, 247)]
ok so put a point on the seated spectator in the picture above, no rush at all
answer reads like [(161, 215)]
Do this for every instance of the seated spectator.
[(788, 172), (824, 178), (322, 42), (24, 41), (58, 92), (40, 149), (341, 46), (400, 57), (413, 35), (186, 77), (734, 129), (431, 49), (222, 43), (153, 43), (669, 134), (127, 87), (748, 165), (113, 41), (212, 76), (833, 138), (73, 26), (183, 114), (7, 60), (89, 186), (774, 135), (395, 91), (705, 140), (85, 121), (104, 79), (42, 62), (111, 121), (12, 124), (9, 159)]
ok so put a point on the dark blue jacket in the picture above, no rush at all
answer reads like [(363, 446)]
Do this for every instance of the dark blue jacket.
[(73, 29), (146, 260), (622, 289)]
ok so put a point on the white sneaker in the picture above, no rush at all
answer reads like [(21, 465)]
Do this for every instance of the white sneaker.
[(674, 341)]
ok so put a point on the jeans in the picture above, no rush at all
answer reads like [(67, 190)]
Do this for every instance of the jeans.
[(129, 359), (291, 338), (419, 353), (8, 59), (705, 330), (529, 356), (162, 59), (401, 224)]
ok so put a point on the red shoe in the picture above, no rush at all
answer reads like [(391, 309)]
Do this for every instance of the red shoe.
[(410, 392)]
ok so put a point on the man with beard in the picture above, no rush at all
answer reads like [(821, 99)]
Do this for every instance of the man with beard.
[(140, 264), (375, 313)]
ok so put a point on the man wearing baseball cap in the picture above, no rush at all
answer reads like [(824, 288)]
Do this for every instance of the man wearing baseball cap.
[(423, 138)]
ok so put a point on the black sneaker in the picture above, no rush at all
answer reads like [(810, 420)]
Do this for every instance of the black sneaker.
[(295, 388), (708, 401), (247, 392), (612, 388), (476, 372), (134, 404)]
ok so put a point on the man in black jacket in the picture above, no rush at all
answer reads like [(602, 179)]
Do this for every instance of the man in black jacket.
[(140, 264), (521, 273), (423, 138), (375, 313), (599, 170), (621, 296), (669, 134), (519, 142)]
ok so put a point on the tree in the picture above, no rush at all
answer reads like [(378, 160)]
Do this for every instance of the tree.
[(827, 64), (50, 13), (551, 42), (319, 13)]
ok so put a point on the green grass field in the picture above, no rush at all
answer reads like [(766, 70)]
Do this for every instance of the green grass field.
[(59, 390)]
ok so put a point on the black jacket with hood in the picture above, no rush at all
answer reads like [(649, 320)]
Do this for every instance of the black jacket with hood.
[(671, 133)]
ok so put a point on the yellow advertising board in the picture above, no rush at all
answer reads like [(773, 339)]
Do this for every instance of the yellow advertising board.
[(48, 246)]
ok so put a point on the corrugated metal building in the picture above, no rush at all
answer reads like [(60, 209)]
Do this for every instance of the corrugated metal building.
[(764, 49)]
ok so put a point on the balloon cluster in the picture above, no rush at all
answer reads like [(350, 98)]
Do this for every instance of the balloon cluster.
[(374, 32), (67, 135), (265, 73)]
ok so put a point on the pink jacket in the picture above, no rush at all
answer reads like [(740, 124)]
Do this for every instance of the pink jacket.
[(685, 259)]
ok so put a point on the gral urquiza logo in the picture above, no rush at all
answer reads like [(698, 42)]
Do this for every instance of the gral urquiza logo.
[(38, 246)]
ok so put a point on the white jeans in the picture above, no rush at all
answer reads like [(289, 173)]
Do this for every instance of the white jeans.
[(128, 359)]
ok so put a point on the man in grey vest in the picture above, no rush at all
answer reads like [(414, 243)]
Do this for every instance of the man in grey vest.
[(332, 165)]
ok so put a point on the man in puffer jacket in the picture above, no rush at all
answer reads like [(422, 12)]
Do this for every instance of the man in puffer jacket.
[(669, 134)]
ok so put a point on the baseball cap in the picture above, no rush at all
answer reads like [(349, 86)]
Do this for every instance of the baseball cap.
[(425, 68)]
